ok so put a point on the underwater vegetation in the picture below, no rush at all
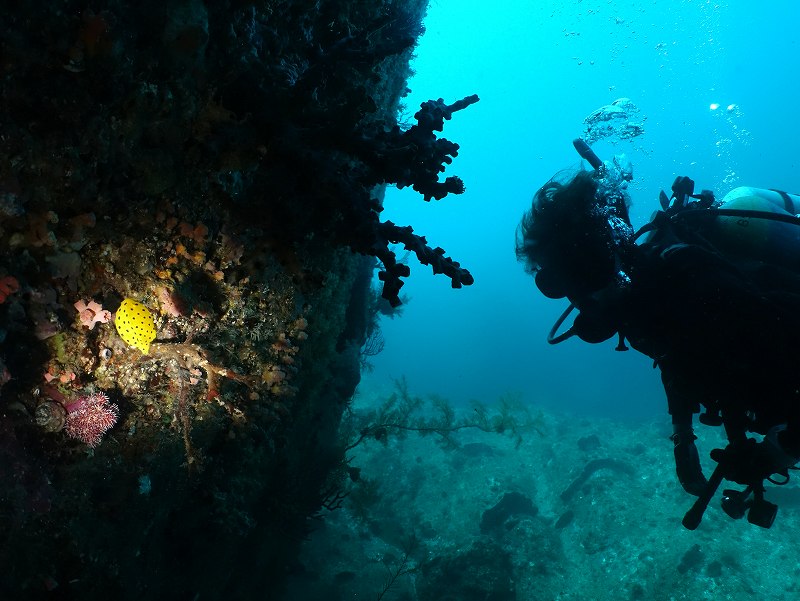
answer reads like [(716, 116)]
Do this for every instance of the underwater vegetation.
[(380, 501), (190, 198), (402, 413), (580, 508)]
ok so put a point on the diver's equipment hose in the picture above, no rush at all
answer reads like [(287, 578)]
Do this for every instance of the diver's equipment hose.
[(551, 336)]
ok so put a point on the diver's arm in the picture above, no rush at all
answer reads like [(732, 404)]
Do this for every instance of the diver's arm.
[(687, 460)]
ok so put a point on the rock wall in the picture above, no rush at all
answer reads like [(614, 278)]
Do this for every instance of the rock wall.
[(218, 163)]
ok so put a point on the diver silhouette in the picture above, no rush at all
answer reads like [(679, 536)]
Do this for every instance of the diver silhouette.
[(709, 290)]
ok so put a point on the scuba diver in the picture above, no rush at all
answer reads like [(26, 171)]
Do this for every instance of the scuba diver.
[(709, 290)]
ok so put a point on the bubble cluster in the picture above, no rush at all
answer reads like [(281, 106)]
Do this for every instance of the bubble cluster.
[(616, 121)]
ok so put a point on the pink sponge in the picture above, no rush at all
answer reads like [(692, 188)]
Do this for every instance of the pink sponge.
[(92, 313)]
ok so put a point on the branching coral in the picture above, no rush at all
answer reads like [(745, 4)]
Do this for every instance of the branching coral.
[(393, 271), (413, 157)]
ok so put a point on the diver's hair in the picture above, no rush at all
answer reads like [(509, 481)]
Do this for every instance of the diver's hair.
[(556, 210), (563, 230)]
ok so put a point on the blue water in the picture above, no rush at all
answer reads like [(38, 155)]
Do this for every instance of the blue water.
[(540, 68)]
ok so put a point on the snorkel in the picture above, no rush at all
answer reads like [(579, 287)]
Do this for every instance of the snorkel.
[(612, 179), (587, 154)]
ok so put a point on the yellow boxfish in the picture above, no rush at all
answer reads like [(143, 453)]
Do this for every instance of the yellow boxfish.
[(135, 324)]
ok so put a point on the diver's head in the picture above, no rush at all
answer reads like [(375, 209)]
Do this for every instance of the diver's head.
[(570, 237)]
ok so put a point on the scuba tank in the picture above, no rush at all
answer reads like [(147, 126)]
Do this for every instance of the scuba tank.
[(765, 229)]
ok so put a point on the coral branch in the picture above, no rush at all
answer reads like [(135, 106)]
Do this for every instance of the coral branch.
[(425, 254), (414, 157)]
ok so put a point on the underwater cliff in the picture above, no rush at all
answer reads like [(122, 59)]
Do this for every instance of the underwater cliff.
[(190, 197)]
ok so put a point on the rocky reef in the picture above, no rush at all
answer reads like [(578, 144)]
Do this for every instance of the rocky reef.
[(190, 198)]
